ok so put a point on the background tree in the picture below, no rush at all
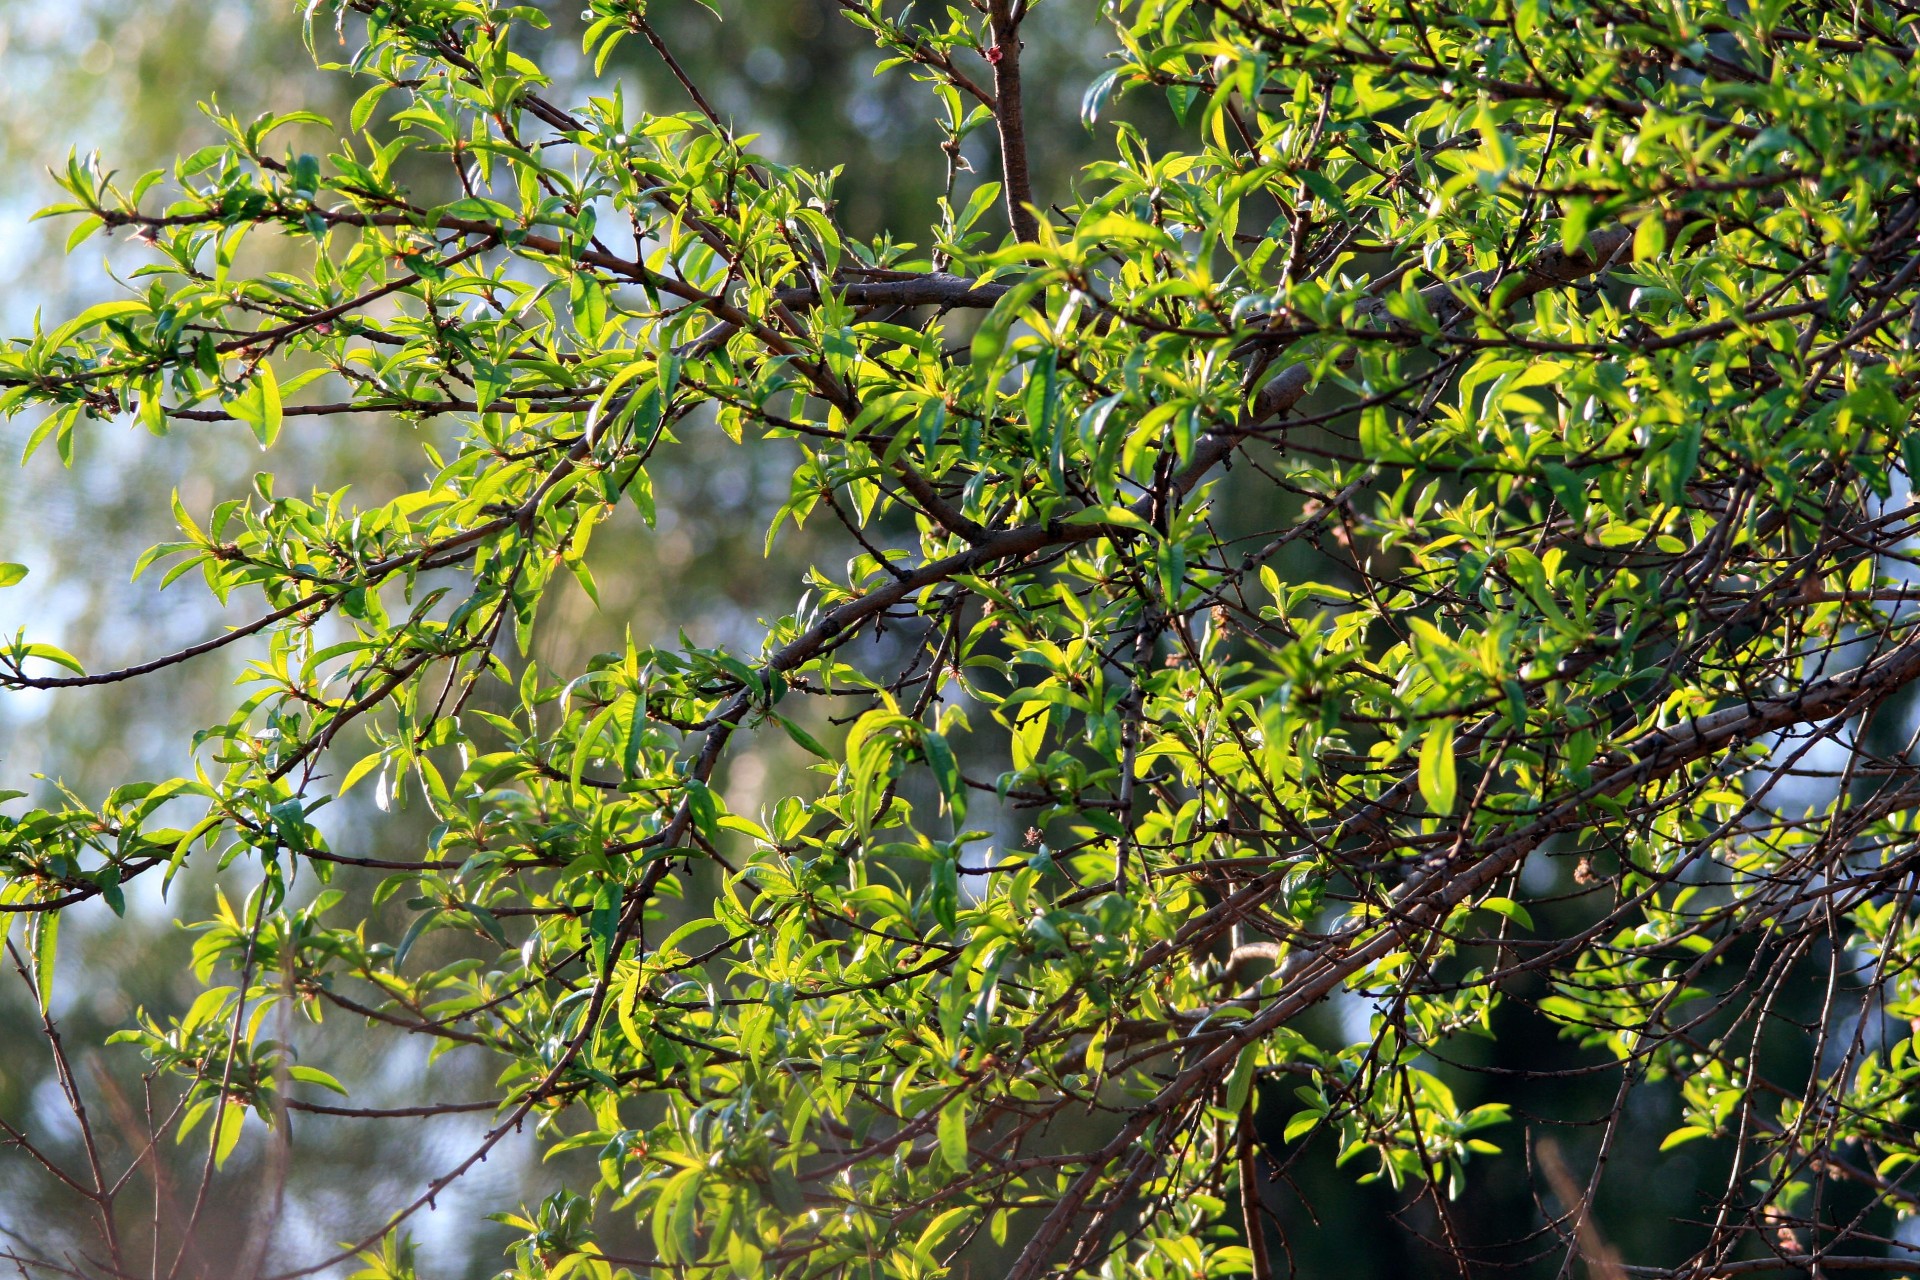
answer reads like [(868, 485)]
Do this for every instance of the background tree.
[(1375, 601)]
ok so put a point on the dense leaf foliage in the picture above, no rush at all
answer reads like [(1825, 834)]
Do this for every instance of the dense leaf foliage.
[(1421, 524)]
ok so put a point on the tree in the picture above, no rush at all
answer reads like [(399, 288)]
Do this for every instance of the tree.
[(1415, 534)]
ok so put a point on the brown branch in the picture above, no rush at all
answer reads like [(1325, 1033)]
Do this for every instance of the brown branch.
[(1011, 120), (1251, 1210), (1810, 1262), (426, 1109), (935, 289), (17, 679)]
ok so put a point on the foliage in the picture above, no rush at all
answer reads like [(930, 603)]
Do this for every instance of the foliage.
[(1420, 523)]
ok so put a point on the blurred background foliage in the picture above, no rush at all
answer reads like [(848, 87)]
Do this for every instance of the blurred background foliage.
[(123, 77)]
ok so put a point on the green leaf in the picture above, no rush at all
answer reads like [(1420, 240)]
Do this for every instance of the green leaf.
[(82, 232), (98, 314), (1910, 456), (364, 105), (1118, 517), (361, 768), (49, 653), (1685, 1133), (946, 772), (604, 921), (802, 738), (1302, 1123), (984, 197), (704, 807), (676, 1216), (1240, 1083), (205, 1008), (259, 405), (1438, 781), (1508, 908), (45, 936), (314, 1075), (11, 573), (1650, 237), (226, 1132), (952, 1127)]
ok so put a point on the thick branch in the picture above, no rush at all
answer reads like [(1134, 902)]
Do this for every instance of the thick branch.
[(938, 289), (1008, 115)]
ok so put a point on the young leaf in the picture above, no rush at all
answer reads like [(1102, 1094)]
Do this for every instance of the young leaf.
[(952, 1127), (1438, 780)]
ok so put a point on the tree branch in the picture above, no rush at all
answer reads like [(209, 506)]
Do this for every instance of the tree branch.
[(1008, 115)]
